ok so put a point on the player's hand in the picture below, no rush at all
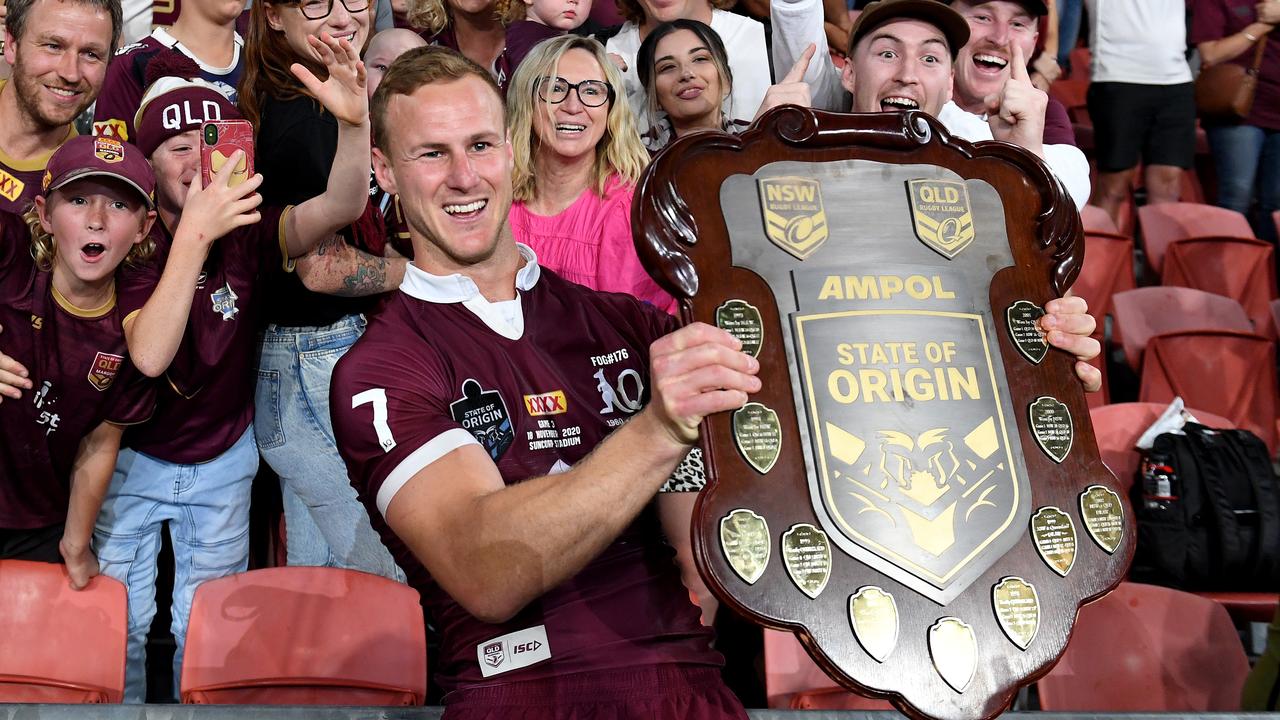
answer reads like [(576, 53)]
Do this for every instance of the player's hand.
[(697, 371), (344, 93), (792, 89), (82, 564), (1016, 113), (213, 211), (1068, 326), (14, 377)]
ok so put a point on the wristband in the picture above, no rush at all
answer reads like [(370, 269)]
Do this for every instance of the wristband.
[(1249, 37)]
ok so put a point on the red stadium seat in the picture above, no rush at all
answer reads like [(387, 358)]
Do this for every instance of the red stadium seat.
[(793, 680), (1148, 648), (305, 636), (1108, 269), (1119, 426), (1165, 223), (1146, 312), (1096, 220), (1229, 373), (59, 645), (1238, 268)]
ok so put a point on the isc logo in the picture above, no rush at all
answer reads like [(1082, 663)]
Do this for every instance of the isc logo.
[(526, 647), (552, 403)]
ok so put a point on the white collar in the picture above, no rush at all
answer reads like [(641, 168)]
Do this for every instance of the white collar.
[(504, 317)]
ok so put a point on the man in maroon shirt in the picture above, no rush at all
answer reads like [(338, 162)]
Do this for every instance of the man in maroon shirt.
[(58, 51), (495, 461)]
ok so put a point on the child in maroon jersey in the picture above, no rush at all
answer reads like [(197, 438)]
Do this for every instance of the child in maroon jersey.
[(193, 464), (66, 348)]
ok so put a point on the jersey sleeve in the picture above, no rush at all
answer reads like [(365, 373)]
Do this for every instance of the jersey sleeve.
[(267, 240), (135, 284), (120, 96), (15, 240), (390, 417), (137, 399)]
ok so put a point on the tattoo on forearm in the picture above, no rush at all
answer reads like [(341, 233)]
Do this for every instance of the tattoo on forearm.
[(369, 278)]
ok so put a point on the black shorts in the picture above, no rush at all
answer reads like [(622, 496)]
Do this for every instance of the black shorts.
[(39, 544), (1154, 123)]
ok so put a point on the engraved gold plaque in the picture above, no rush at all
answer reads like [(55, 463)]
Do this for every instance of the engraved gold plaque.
[(758, 435), (1051, 425), (874, 617), (1055, 538), (806, 552), (742, 320), (1017, 607), (954, 651), (794, 219), (744, 538), (1020, 319), (1103, 516)]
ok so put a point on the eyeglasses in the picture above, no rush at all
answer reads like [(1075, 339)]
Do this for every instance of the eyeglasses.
[(591, 93), (320, 9)]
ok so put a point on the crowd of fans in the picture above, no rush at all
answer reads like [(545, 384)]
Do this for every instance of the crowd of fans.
[(161, 332)]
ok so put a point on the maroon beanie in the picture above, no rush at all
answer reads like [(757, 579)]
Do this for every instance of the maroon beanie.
[(173, 105)]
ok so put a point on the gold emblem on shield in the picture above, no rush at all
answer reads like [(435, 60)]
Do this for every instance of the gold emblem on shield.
[(793, 216), (941, 214)]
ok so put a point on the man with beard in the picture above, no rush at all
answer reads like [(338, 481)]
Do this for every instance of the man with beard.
[(58, 50)]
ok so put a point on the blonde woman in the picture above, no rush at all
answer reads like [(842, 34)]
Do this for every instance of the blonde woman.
[(475, 28)]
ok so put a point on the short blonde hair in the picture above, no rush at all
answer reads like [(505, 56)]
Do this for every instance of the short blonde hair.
[(620, 151), (432, 16), (633, 11), (44, 250)]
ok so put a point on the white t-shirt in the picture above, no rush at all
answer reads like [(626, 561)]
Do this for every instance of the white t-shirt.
[(743, 40), (1139, 41)]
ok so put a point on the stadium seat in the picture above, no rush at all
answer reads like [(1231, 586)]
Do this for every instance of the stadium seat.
[(59, 645), (1168, 222), (1238, 268), (1119, 426), (1143, 313), (1148, 648), (1275, 316), (1232, 374), (794, 681), (1096, 220), (305, 636), (1107, 270)]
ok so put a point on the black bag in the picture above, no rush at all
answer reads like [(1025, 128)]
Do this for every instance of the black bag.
[(1214, 524)]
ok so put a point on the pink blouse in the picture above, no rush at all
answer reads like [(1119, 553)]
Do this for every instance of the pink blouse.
[(590, 243)]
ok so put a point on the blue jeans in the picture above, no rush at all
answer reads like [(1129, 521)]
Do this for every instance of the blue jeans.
[(1069, 12), (1247, 160), (295, 436), (207, 507)]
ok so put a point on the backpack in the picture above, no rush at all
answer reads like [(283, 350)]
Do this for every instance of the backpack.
[(1208, 512)]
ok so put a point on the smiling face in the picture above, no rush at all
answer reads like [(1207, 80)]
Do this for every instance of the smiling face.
[(560, 14), (568, 128), (341, 23), (176, 163), (448, 159), (687, 81), (95, 222), (982, 66), (60, 61), (902, 65)]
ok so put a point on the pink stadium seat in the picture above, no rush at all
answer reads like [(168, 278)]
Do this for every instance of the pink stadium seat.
[(1148, 648), (1238, 268), (1108, 269), (1119, 426), (1145, 312), (793, 680), (305, 636), (1168, 222), (59, 645), (1229, 373), (1096, 220)]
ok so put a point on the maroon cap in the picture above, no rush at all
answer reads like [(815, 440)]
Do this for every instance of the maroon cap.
[(87, 156)]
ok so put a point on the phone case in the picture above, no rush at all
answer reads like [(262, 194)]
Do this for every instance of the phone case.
[(219, 141)]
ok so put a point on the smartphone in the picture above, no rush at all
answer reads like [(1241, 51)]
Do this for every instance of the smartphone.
[(219, 140)]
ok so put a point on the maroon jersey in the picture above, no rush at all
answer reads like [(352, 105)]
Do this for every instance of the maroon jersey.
[(537, 404), (80, 378), (207, 401), (20, 179), (124, 84)]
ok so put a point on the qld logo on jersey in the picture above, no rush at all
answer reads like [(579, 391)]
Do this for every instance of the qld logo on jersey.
[(104, 369), (484, 414)]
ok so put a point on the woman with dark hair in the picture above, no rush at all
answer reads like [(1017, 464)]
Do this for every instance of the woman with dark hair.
[(315, 314), (685, 72), (742, 37)]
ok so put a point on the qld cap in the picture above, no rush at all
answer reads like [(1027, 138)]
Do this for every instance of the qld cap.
[(935, 12), (89, 156)]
